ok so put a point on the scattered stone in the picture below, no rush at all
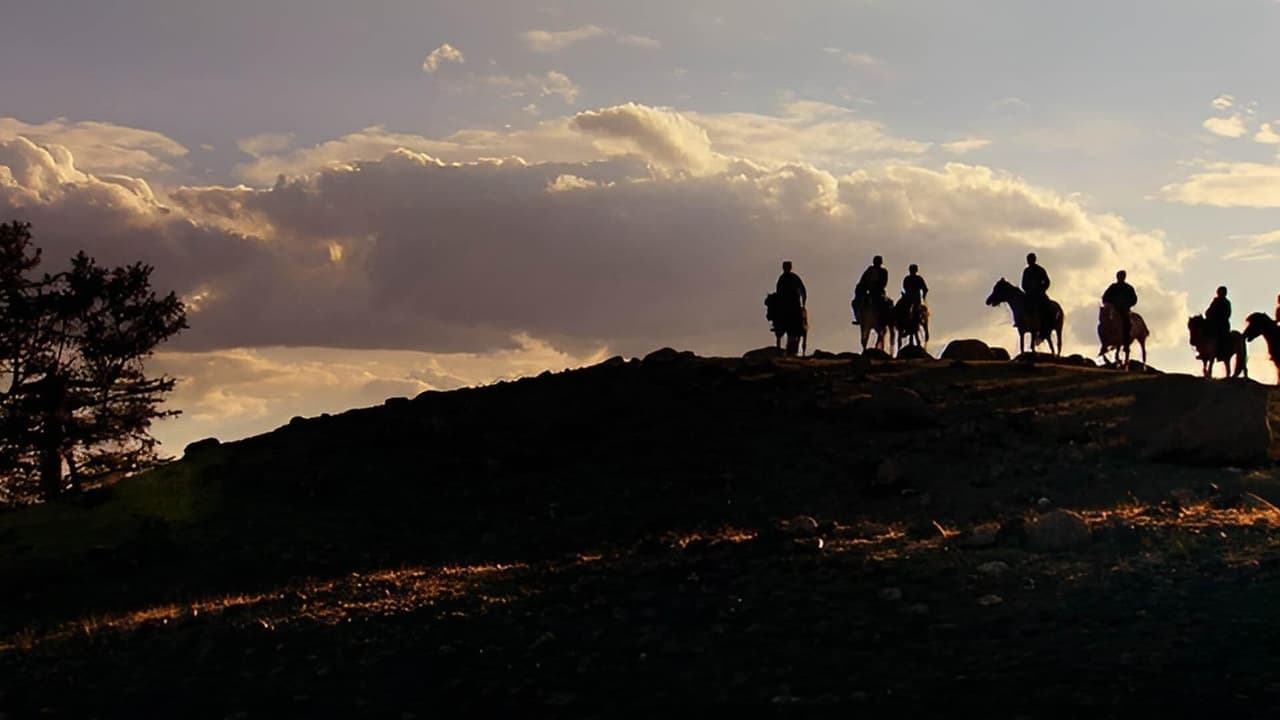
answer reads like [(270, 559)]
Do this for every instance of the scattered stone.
[(990, 600), (995, 568), (894, 408), (823, 355), (999, 353), (875, 354), (1197, 422), (864, 530), (891, 594), (393, 402), (914, 352), (1184, 497), (1058, 530), (1044, 504), (764, 353), (802, 526)]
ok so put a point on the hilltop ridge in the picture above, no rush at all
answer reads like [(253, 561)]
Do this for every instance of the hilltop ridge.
[(835, 533)]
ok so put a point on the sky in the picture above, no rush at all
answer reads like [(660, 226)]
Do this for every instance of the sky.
[(375, 199)]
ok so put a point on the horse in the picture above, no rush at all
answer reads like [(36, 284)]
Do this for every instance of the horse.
[(1259, 324), (1111, 335), (909, 321), (792, 322), (1208, 352), (874, 314), (1026, 322)]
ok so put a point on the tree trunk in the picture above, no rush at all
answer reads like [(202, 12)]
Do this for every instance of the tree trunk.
[(53, 396)]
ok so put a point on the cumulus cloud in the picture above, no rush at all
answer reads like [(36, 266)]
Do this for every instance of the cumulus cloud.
[(1267, 135), (1222, 184), (821, 134), (668, 138), (441, 56), (1228, 127), (102, 147), (1223, 102)]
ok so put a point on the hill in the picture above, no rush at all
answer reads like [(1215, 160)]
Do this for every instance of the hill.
[(817, 536)]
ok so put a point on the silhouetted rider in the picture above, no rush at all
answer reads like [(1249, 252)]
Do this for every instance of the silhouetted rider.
[(791, 290), (1218, 317), (1035, 283), (1121, 296), (871, 286), (914, 289)]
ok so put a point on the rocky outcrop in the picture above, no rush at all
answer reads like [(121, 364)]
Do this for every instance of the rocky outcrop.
[(972, 350)]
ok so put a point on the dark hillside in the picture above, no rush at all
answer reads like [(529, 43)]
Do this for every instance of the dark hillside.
[(812, 535)]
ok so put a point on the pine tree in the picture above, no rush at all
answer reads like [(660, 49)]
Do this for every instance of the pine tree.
[(77, 405)]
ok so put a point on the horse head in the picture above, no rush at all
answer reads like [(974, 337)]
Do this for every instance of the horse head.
[(1195, 326), (1257, 324), (999, 292)]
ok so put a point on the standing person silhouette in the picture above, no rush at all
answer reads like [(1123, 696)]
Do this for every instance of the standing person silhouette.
[(791, 290), (871, 286), (1035, 283), (1121, 296)]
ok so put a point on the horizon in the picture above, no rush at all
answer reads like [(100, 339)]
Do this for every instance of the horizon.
[(492, 189)]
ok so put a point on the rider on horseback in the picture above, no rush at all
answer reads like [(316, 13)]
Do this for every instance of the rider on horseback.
[(1035, 283), (1218, 316), (1121, 296), (914, 289), (871, 287)]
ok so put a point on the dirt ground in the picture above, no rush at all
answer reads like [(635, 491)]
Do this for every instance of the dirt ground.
[(804, 537)]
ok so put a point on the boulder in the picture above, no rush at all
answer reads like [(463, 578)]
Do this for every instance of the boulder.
[(970, 350), (1058, 531), (876, 354), (200, 446), (1000, 354), (1192, 421), (914, 352), (667, 355), (764, 353)]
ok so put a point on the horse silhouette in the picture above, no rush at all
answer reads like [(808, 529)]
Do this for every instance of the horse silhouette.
[(1111, 335), (1209, 352), (1259, 324), (910, 320), (792, 322), (1028, 323), (875, 314)]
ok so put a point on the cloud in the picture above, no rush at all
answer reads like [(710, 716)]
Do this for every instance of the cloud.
[(667, 138), (545, 41), (639, 41), (1228, 127), (854, 59), (1223, 102), (265, 144), (245, 391), (962, 147), (441, 56), (102, 147), (1223, 184), (551, 83), (674, 242), (1267, 135), (1252, 248)]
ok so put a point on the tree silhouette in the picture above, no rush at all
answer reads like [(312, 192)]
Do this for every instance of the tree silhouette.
[(75, 404)]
